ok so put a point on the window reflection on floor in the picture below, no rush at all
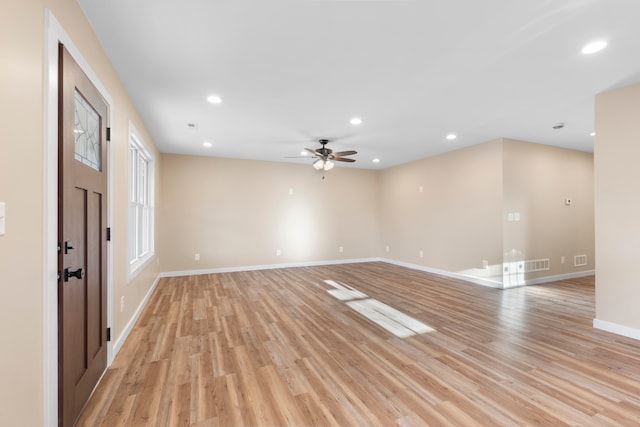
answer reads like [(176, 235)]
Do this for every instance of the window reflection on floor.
[(392, 320)]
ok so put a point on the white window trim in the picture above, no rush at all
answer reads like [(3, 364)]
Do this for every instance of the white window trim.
[(137, 265)]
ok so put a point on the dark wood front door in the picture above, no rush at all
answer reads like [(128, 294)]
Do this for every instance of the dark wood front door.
[(82, 216)]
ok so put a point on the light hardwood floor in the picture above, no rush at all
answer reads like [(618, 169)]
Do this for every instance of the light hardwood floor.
[(273, 347)]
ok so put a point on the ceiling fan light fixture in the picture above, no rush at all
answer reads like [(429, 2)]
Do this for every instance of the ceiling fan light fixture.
[(322, 164), (356, 121)]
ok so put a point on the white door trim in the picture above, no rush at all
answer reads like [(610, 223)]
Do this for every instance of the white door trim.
[(54, 34)]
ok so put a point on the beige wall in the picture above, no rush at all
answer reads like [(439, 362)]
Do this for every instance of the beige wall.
[(461, 217), (617, 208), (238, 213), (537, 180), (456, 220), (22, 187)]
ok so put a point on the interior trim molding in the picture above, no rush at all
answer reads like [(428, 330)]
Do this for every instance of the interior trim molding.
[(452, 275), (547, 279), (53, 34), (625, 331), (265, 267), (136, 315), (488, 282)]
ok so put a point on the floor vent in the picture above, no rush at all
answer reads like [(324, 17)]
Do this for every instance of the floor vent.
[(579, 260), (536, 265)]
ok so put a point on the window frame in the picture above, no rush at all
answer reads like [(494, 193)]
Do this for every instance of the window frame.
[(141, 204)]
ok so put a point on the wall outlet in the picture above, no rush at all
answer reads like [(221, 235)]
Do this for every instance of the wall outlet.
[(340, 249), (420, 189), (291, 191), (562, 259), (421, 254), (278, 252), (121, 303), (387, 248), (485, 264), (196, 257)]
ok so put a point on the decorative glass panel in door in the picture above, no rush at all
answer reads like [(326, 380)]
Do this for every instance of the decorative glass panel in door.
[(86, 130)]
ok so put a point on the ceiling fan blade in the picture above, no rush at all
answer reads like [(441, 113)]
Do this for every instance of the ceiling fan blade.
[(341, 137), (344, 159), (345, 153)]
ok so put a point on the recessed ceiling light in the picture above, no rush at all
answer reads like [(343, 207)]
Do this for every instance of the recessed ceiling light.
[(304, 153), (214, 99), (451, 136), (356, 121), (594, 47), (376, 160), (207, 144), (592, 134)]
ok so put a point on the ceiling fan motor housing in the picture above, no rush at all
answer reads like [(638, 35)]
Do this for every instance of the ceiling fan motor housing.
[(324, 151)]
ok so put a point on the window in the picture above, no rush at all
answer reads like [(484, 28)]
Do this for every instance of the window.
[(141, 216)]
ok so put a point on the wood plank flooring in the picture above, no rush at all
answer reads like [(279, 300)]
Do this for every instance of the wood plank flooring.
[(274, 348)]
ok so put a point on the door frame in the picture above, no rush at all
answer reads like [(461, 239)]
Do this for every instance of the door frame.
[(54, 34)]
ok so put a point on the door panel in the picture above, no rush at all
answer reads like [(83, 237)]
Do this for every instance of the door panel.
[(74, 292), (82, 203), (95, 328)]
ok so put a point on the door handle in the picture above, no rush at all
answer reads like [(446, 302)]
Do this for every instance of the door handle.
[(78, 274)]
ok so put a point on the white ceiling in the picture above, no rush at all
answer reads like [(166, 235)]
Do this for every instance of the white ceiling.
[(292, 71)]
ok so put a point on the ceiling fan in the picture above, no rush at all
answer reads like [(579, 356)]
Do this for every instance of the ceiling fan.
[(326, 156)]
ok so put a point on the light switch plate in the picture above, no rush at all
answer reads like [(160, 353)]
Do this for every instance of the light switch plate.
[(3, 210)]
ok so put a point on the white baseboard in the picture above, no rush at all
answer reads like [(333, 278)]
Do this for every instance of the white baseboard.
[(471, 279), (127, 330), (488, 282), (567, 276), (265, 267), (615, 328)]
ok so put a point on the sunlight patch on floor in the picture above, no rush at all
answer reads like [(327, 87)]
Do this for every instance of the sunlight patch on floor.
[(392, 320)]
